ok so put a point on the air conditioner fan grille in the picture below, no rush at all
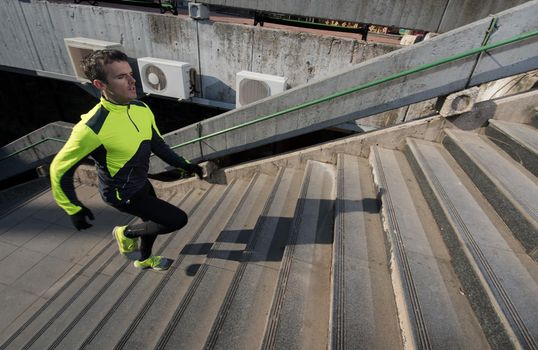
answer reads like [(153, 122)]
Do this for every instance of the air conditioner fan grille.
[(154, 77), (251, 90)]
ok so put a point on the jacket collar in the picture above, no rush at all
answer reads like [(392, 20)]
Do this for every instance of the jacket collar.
[(111, 106)]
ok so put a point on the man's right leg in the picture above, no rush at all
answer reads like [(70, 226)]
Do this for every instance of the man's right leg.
[(159, 217)]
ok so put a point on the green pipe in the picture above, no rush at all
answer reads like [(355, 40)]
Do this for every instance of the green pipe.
[(367, 85)]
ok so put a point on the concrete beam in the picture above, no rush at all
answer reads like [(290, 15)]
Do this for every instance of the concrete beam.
[(15, 160), (497, 63)]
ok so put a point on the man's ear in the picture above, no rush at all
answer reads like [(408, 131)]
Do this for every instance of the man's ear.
[(99, 84)]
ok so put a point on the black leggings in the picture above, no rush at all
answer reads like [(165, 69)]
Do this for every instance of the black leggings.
[(158, 216)]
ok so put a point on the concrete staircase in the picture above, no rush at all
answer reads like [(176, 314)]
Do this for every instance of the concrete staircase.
[(432, 246)]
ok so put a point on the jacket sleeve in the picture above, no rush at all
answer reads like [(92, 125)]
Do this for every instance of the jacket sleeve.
[(79, 145), (163, 151)]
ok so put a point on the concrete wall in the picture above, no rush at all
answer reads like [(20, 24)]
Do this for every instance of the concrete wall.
[(473, 70), (33, 31), (431, 15)]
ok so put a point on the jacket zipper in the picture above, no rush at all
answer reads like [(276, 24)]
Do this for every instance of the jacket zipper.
[(136, 127)]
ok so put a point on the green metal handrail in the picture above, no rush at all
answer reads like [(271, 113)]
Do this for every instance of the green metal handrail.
[(32, 145), (366, 85), (348, 91)]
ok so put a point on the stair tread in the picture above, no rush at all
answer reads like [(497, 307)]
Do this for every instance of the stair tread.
[(520, 185), (360, 272), (209, 217), (433, 314), (208, 289), (242, 319), (113, 325), (300, 310), (524, 134), (511, 276)]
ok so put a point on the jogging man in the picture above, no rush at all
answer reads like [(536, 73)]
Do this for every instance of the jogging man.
[(120, 133)]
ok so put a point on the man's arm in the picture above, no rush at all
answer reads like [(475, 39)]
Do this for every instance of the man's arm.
[(163, 151), (79, 145)]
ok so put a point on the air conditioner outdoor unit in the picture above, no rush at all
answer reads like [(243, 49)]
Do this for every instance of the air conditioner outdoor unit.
[(198, 11), (78, 48), (251, 87), (165, 77)]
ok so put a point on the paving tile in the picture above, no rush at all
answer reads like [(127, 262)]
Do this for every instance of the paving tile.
[(23, 232), (49, 239), (102, 244), (21, 319), (51, 212), (13, 303), (18, 262), (76, 247), (6, 249), (42, 275), (22, 213), (74, 270)]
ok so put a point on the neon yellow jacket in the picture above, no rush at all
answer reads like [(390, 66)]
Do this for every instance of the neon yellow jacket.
[(120, 139)]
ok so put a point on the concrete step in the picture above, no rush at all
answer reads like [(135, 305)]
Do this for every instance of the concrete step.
[(53, 323), (194, 316), (43, 230), (431, 309), (58, 315), (240, 323), (363, 310), (40, 320), (17, 196), (123, 312), (518, 140), (300, 310), (150, 321), (499, 278), (509, 187)]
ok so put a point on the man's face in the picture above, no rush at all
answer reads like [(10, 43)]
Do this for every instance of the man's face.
[(119, 86)]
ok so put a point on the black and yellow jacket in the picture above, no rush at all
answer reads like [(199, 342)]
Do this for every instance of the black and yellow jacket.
[(120, 138)]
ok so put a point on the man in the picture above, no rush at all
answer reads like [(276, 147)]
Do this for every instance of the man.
[(119, 133)]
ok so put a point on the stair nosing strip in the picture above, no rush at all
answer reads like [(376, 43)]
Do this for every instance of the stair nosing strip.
[(420, 323), (338, 337), (238, 276), (501, 187), (58, 294), (149, 302), (274, 314), (185, 301), (130, 288), (477, 252), (71, 300)]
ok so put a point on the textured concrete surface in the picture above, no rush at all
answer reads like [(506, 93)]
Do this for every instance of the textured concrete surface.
[(34, 31), (433, 15)]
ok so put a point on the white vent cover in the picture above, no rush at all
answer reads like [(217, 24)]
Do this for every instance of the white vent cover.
[(251, 87), (165, 77), (78, 48)]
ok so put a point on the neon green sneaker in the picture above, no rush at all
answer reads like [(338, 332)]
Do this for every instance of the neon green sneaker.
[(154, 262), (125, 244)]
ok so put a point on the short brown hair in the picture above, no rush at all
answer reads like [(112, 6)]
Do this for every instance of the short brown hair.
[(94, 63)]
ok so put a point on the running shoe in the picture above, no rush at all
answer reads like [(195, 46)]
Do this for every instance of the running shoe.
[(126, 245), (154, 262)]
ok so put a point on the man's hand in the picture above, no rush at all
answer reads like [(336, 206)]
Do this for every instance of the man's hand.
[(196, 169), (79, 219)]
